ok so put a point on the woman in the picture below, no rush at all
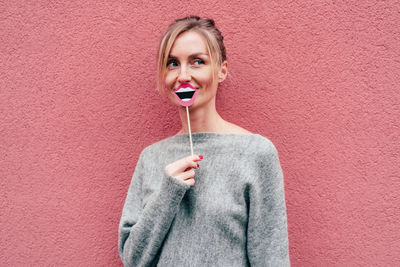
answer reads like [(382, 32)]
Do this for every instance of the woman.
[(230, 211)]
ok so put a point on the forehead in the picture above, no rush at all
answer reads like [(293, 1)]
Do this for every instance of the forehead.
[(188, 43)]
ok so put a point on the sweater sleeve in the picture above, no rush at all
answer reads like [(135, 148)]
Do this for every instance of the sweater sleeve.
[(267, 234), (142, 230)]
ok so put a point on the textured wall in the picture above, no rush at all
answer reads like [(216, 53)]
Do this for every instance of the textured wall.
[(78, 104)]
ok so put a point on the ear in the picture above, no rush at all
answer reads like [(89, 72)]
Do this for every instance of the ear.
[(223, 72)]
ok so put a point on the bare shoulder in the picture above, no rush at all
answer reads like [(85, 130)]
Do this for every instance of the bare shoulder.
[(233, 128)]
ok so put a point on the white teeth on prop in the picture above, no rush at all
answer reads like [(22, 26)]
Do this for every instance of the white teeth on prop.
[(187, 89), (186, 99)]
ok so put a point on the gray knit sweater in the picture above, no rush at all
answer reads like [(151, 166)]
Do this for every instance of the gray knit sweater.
[(234, 215)]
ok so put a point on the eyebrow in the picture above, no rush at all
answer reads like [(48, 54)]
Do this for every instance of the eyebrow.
[(190, 56)]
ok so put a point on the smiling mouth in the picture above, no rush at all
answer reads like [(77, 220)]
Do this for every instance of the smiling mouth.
[(185, 94)]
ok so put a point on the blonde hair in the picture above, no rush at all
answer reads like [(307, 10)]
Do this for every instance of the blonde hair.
[(206, 28)]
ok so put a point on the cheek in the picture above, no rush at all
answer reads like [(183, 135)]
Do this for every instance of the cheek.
[(204, 76), (169, 79)]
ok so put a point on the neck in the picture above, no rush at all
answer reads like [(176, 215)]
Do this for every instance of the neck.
[(202, 119)]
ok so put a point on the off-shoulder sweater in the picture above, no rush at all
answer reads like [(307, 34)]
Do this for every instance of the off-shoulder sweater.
[(234, 215)]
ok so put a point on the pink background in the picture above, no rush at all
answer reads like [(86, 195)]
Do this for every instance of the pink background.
[(78, 104)]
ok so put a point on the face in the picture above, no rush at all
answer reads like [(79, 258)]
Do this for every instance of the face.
[(189, 65)]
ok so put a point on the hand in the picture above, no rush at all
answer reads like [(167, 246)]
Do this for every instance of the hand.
[(182, 168)]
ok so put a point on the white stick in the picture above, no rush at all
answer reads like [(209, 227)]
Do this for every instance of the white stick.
[(190, 131)]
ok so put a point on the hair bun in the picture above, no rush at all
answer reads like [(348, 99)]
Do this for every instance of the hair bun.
[(197, 18), (211, 21)]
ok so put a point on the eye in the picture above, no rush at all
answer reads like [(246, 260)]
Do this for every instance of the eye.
[(172, 63), (198, 62)]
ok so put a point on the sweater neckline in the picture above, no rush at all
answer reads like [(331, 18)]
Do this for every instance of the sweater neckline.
[(214, 134), (197, 136), (204, 140)]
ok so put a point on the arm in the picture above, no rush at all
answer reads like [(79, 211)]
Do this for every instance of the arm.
[(267, 235), (142, 230)]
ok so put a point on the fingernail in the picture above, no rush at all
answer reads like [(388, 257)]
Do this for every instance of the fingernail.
[(200, 156), (198, 165)]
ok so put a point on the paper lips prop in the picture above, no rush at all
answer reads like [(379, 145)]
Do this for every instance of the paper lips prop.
[(186, 94)]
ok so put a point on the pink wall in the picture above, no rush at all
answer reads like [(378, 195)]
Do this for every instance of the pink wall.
[(320, 79)]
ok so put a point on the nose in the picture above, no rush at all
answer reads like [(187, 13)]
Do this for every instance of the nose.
[(184, 75)]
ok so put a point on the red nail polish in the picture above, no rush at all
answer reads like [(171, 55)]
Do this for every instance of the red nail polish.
[(198, 165), (200, 156)]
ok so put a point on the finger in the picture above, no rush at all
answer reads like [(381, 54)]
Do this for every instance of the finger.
[(190, 182), (186, 175), (189, 168), (184, 163)]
